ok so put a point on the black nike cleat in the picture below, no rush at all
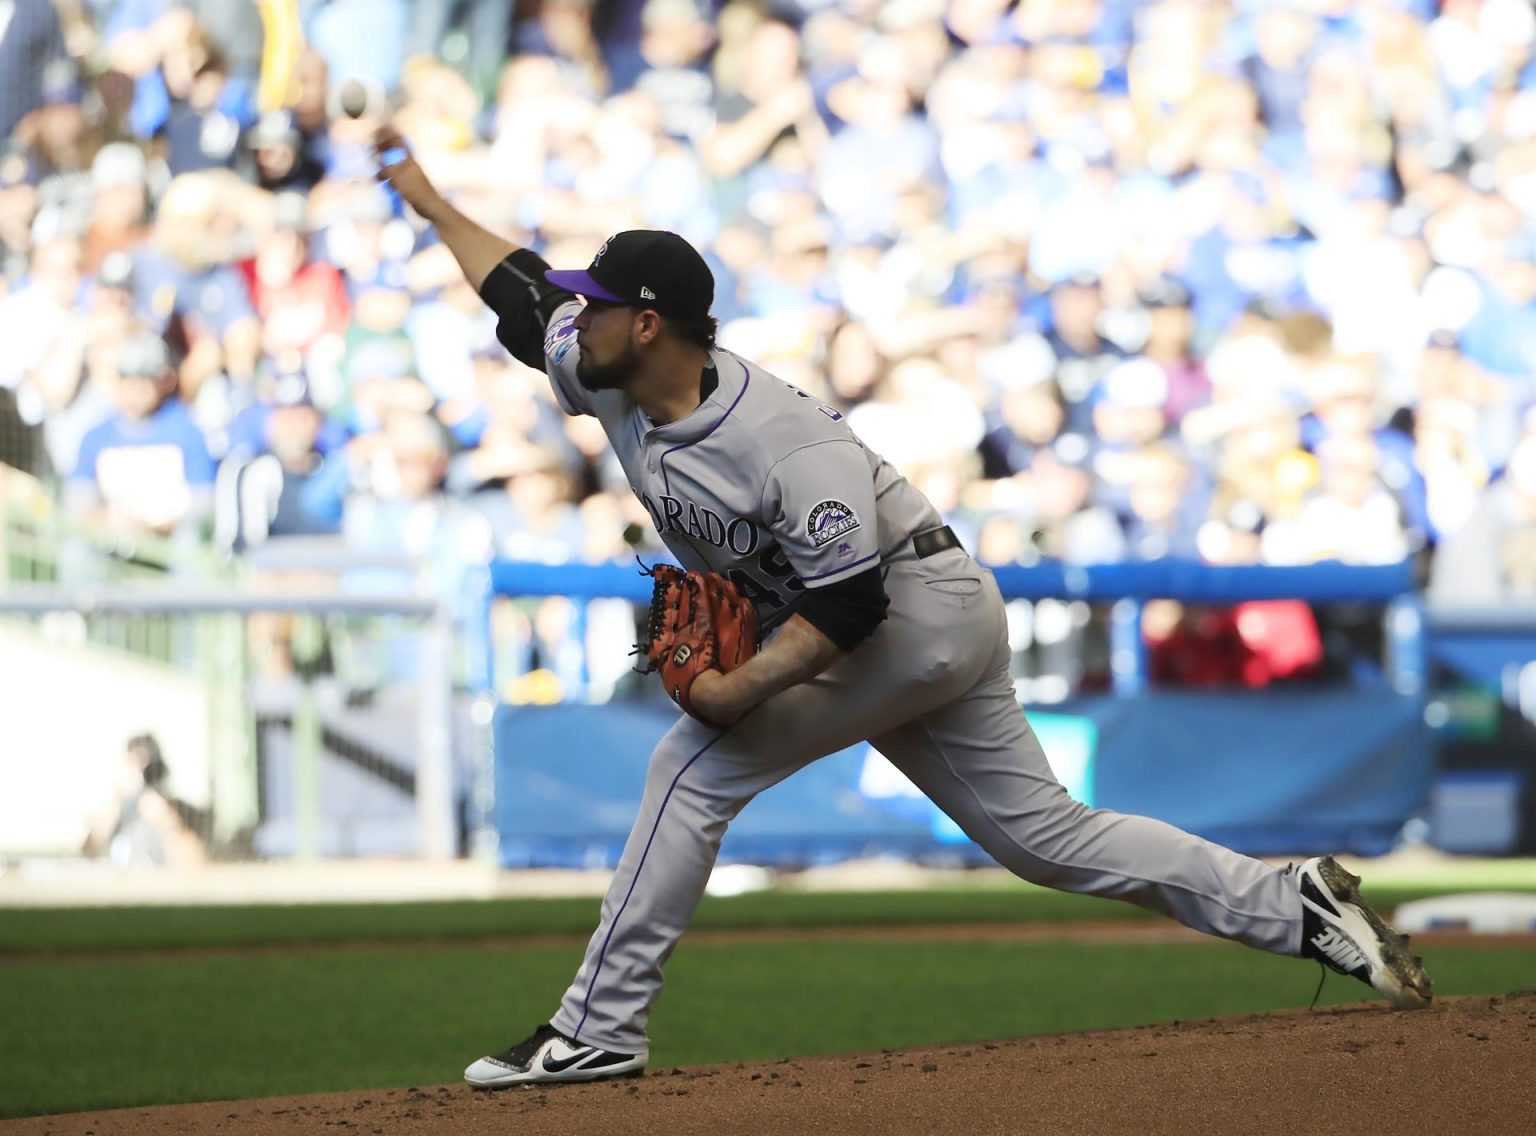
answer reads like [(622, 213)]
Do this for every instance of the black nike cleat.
[(548, 1056), (1340, 930)]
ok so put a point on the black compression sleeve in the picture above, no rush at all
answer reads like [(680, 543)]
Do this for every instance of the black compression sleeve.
[(848, 611), (524, 302)]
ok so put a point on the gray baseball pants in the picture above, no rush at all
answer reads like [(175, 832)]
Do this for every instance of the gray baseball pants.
[(930, 689)]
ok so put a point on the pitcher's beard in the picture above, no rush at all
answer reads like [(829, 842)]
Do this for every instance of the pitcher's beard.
[(612, 375)]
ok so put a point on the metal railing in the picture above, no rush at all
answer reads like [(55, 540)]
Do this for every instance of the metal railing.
[(1125, 587), (39, 543)]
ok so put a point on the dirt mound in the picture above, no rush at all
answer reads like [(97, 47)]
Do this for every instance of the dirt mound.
[(1464, 1065)]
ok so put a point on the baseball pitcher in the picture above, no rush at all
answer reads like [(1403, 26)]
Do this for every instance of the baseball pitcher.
[(873, 623)]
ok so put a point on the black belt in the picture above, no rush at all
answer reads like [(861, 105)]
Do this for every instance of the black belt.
[(925, 544)]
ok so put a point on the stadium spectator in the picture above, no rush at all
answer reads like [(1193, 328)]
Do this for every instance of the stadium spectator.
[(119, 209), (1129, 406), (33, 60), (1352, 515), (562, 30), (1076, 337), (1170, 344), (199, 132), (1025, 419), (144, 824), (762, 96), (1063, 520), (1449, 461), (146, 468), (1232, 255), (72, 387), (186, 273), (34, 316), (483, 28), (301, 302), (1250, 644), (1165, 501), (283, 154), (293, 483), (250, 432), (1492, 556), (669, 61), (404, 509), (18, 206)]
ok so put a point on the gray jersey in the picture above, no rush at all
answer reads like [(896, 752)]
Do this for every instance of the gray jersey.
[(762, 482)]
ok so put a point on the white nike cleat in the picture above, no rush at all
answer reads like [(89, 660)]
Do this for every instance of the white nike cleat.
[(548, 1056), (1340, 930)]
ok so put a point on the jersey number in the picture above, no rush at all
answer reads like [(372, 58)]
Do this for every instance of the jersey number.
[(771, 563), (821, 406)]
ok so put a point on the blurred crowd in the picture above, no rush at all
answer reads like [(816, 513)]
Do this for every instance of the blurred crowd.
[(1250, 281)]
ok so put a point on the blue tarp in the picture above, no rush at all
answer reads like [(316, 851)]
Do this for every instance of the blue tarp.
[(1266, 773)]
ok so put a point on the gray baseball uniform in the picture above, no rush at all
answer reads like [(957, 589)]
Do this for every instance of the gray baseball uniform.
[(772, 488)]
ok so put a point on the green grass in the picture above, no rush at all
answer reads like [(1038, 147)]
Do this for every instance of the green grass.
[(83, 1026), (94, 1032), (106, 929)]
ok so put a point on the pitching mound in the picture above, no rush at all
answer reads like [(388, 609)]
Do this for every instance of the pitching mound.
[(1465, 1065)]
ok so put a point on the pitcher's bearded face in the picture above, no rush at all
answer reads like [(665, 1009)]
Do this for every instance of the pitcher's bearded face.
[(607, 353), (606, 374)]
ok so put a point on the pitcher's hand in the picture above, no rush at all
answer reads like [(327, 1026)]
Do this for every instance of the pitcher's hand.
[(398, 167), (713, 700)]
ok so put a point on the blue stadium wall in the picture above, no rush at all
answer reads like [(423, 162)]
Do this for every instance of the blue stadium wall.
[(1267, 773)]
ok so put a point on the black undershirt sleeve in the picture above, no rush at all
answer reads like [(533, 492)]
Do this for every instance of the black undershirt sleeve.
[(523, 302), (848, 611)]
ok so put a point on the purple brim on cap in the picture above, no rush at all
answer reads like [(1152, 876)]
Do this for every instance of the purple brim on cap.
[(580, 281)]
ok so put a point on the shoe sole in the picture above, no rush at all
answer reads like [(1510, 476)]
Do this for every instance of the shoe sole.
[(1401, 978), (511, 1080)]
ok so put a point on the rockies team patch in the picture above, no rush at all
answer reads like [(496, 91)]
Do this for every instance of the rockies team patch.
[(828, 521)]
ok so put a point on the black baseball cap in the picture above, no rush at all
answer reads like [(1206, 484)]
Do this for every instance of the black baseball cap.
[(645, 268)]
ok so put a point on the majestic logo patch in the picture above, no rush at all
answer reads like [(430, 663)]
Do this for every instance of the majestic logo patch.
[(828, 521), (844, 549), (560, 338)]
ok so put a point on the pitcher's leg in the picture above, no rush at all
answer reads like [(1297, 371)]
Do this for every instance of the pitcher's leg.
[(979, 761), (699, 780), (658, 883)]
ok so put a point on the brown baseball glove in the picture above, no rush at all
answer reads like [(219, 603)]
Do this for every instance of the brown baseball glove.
[(699, 621)]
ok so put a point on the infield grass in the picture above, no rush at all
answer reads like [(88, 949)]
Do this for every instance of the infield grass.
[(97, 1030)]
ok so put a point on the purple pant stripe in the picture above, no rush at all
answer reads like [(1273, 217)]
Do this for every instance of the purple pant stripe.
[(586, 1004)]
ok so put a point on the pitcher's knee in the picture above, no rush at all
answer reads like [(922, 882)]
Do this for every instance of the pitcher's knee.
[(1040, 845), (1043, 871)]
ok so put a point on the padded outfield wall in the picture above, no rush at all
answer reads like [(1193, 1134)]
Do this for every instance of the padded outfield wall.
[(1274, 772)]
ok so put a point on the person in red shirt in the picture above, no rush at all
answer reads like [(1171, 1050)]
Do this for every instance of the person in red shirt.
[(301, 302), (1252, 644)]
